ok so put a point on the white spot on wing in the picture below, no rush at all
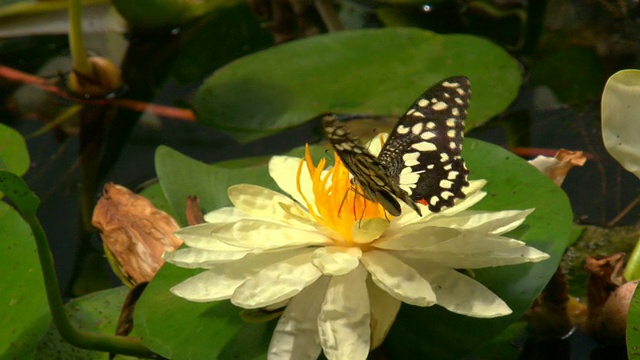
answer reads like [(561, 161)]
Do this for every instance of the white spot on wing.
[(431, 125), (450, 84), (417, 128), (411, 159), (439, 106), (424, 146), (402, 129), (446, 194), (427, 135), (444, 157), (446, 184), (423, 102)]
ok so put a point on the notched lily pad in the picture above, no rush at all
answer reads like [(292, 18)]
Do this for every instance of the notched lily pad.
[(378, 71), (216, 329)]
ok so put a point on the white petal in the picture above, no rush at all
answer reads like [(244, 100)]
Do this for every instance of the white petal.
[(336, 260), (344, 319), (225, 214), (210, 285), (461, 294), (398, 279), (264, 203), (494, 222), (384, 309), (262, 234), (366, 231), (296, 335), (416, 236), (408, 216), (193, 258), (220, 281), (461, 205), (472, 243), (284, 170), (277, 282), (501, 252), (201, 236)]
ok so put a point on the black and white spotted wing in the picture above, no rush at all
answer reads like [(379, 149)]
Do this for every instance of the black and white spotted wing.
[(366, 169), (423, 152)]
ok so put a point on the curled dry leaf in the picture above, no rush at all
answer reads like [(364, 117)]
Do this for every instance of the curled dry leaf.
[(549, 314), (557, 167), (609, 297), (194, 213), (134, 232)]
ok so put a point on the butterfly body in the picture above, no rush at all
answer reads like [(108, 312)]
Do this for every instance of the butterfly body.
[(421, 160)]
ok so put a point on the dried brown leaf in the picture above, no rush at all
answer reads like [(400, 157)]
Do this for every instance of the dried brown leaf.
[(556, 168), (134, 232)]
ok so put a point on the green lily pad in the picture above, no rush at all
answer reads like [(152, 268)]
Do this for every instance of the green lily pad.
[(25, 314), (13, 150), (182, 177), (621, 118), (633, 331), (96, 313), (215, 330), (513, 184), (379, 71)]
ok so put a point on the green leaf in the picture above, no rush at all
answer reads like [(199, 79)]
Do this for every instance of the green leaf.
[(621, 118), (513, 184), (181, 176), (25, 314), (633, 327), (215, 330), (208, 330), (13, 150), (378, 71), (96, 313)]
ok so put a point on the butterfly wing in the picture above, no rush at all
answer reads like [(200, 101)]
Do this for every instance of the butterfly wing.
[(423, 152), (367, 171)]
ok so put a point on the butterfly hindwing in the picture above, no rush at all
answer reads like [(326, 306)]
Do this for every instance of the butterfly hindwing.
[(366, 169), (423, 152)]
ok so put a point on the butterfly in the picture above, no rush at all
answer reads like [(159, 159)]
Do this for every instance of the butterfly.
[(421, 160)]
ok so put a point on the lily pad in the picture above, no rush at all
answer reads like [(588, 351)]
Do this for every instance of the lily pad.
[(621, 118), (379, 71), (633, 333), (96, 313), (25, 314), (13, 150), (182, 177), (215, 330)]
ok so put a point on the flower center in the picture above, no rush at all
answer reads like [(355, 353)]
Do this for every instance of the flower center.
[(339, 204)]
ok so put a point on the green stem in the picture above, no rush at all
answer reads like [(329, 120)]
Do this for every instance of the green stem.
[(81, 63), (85, 340)]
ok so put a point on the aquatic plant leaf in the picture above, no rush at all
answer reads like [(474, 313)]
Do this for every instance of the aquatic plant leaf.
[(418, 332), (621, 118), (365, 71), (25, 314)]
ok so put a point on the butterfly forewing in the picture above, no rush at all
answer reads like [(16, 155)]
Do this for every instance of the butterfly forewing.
[(423, 152), (365, 168)]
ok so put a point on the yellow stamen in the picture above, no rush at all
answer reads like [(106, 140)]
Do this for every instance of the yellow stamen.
[(338, 204)]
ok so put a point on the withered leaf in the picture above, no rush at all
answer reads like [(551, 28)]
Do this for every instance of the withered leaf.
[(134, 232)]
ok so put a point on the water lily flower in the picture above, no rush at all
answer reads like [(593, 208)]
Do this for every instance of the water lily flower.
[(339, 263)]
